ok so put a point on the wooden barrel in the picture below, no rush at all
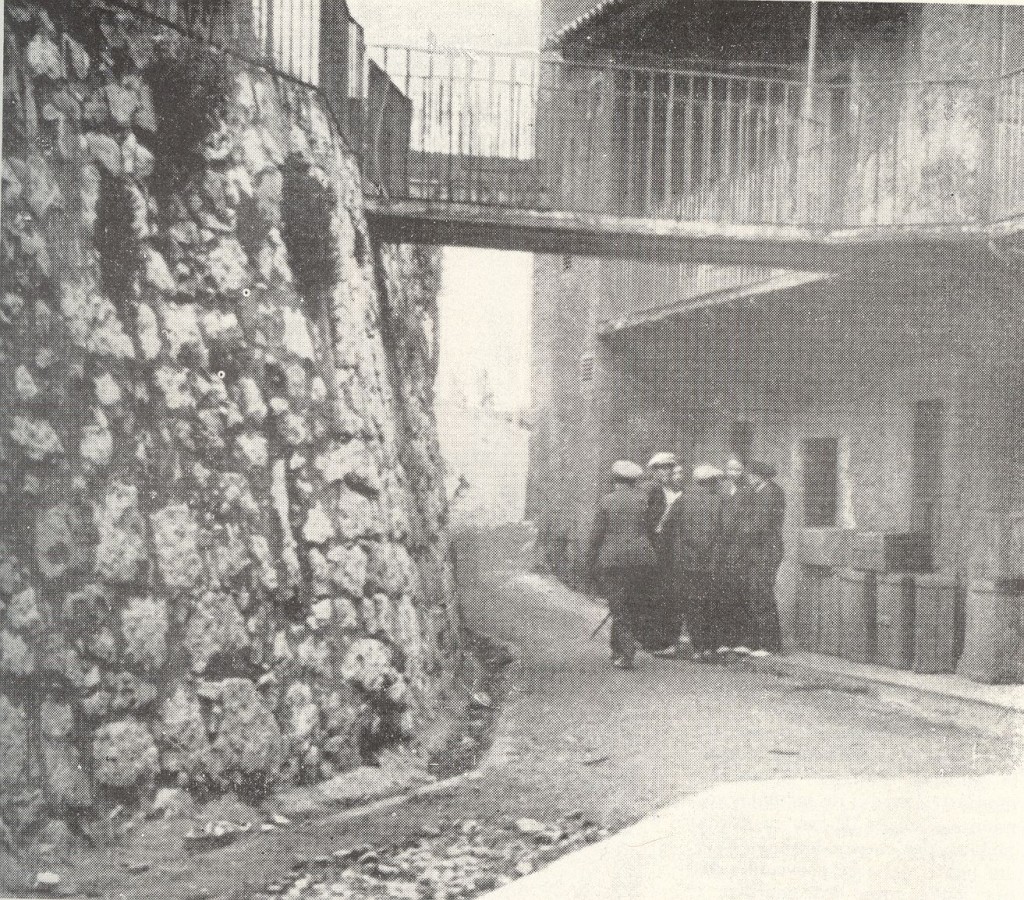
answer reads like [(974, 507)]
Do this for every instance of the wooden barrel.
[(805, 624), (992, 638), (858, 610), (895, 628), (830, 614), (936, 599)]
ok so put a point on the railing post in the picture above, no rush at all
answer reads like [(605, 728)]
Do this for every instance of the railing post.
[(807, 113), (334, 62), (989, 103)]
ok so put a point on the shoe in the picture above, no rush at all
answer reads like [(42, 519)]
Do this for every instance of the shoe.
[(667, 653), (721, 651), (620, 662), (741, 651), (760, 653)]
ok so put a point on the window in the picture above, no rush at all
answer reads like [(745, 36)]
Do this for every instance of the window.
[(927, 448), (741, 440), (821, 482)]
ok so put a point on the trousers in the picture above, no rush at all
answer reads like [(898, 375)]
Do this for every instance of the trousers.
[(697, 598), (764, 613), (662, 620), (628, 590), (732, 610)]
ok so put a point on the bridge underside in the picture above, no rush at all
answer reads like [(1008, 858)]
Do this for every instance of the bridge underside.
[(564, 233)]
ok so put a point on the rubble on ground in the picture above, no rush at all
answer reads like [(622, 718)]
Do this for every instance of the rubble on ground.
[(465, 859)]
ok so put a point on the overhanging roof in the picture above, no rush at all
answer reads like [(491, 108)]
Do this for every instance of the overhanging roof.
[(598, 11)]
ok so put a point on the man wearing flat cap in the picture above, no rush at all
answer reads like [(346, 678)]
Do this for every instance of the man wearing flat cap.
[(621, 558), (766, 513), (660, 631), (693, 527)]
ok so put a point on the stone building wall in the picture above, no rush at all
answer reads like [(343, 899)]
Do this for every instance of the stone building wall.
[(848, 360), (223, 563), (942, 140)]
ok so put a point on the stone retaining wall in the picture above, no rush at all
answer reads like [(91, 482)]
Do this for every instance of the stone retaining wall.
[(224, 559)]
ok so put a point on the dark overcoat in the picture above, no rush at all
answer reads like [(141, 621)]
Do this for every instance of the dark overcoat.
[(734, 556), (618, 536), (764, 521), (693, 529)]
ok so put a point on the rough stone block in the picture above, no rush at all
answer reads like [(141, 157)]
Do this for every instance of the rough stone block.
[(246, 737), (215, 627), (174, 535), (124, 754), (144, 626), (182, 735), (13, 744)]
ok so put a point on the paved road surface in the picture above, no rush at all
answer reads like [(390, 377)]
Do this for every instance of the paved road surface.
[(579, 734)]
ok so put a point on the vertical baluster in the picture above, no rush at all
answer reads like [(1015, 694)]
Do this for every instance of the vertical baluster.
[(629, 141), (749, 137), (649, 156), (491, 73), (1002, 148), (473, 157), (431, 89), (533, 131), (706, 150), (688, 143), (1013, 164), (670, 118), (759, 158), (451, 122), (513, 108), (785, 190), (728, 148), (1015, 122)]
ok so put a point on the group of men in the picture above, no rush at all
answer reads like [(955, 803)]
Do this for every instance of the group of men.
[(698, 549)]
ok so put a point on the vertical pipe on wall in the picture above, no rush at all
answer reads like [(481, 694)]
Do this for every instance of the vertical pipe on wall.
[(808, 109)]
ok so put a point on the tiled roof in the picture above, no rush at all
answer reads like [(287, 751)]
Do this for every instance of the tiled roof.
[(591, 11)]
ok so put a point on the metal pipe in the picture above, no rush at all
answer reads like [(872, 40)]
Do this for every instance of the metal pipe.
[(808, 103)]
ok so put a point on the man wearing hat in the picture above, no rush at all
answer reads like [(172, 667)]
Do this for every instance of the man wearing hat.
[(766, 515), (621, 558), (660, 633), (693, 527)]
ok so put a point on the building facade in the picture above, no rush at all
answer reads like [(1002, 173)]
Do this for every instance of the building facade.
[(887, 396)]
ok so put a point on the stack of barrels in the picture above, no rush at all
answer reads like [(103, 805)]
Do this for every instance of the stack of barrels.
[(871, 596)]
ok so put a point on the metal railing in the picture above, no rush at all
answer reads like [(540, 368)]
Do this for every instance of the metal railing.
[(315, 42), (539, 132)]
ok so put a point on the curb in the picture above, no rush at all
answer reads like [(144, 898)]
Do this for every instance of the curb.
[(945, 707)]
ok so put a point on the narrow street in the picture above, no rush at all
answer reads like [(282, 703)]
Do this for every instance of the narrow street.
[(580, 751), (578, 734)]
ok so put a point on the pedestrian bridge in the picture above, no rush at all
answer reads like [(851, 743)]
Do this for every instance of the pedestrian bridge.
[(540, 153), (678, 159)]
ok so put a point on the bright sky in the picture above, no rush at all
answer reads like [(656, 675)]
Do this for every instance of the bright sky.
[(486, 295)]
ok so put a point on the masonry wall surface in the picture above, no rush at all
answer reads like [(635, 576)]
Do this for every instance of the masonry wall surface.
[(223, 562), (943, 142), (848, 360)]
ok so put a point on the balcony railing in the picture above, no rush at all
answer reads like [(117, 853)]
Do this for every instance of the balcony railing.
[(537, 132), (315, 42)]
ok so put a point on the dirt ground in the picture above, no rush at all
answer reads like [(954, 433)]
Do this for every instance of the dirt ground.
[(579, 741)]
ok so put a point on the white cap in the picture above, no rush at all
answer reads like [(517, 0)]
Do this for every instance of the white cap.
[(626, 470), (662, 459), (706, 473)]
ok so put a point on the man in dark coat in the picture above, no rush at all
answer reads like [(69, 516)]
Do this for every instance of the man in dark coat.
[(659, 630), (766, 515), (734, 561), (622, 559), (693, 528)]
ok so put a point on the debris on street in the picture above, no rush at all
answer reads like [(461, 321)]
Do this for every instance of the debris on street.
[(463, 860)]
